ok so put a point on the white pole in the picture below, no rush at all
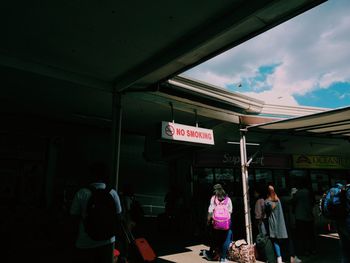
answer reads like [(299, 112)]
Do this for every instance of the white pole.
[(245, 184), (116, 135)]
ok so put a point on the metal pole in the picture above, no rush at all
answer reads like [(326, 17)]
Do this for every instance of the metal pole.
[(245, 184), (116, 134)]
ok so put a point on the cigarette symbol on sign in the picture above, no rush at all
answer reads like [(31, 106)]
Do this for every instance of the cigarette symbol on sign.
[(169, 130)]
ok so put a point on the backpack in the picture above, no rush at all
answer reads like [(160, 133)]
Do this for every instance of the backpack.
[(221, 215), (101, 214), (333, 202)]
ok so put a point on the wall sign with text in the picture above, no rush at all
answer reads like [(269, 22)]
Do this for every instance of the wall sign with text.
[(320, 162), (179, 132)]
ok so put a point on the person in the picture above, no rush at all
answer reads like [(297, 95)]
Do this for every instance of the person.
[(219, 237), (174, 208), (277, 230), (132, 210), (89, 250), (289, 216), (259, 210), (304, 220), (343, 228)]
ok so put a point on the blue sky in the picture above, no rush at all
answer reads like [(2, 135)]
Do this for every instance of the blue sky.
[(304, 61)]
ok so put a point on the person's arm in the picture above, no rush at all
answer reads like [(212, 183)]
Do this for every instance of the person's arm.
[(274, 204), (75, 217), (117, 204), (210, 210), (259, 209), (229, 205)]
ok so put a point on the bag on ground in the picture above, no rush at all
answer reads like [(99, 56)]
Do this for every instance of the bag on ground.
[(241, 252), (265, 248)]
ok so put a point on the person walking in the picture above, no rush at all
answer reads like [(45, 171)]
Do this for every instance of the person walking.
[(95, 249), (343, 228), (304, 219), (276, 224), (219, 218)]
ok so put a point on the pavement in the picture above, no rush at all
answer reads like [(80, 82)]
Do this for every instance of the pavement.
[(170, 245), (179, 250), (189, 256), (327, 252)]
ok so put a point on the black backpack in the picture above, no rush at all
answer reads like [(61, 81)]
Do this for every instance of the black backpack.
[(101, 214)]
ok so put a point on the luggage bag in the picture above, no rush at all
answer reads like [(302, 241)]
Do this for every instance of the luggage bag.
[(265, 248), (143, 249)]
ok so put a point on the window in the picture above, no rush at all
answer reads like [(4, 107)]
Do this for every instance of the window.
[(263, 176)]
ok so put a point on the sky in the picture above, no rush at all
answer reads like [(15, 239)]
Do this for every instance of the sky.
[(304, 61)]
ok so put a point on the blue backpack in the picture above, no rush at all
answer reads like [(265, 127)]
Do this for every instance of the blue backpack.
[(333, 204)]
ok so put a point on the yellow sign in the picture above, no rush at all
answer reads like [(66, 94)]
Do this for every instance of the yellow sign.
[(320, 162)]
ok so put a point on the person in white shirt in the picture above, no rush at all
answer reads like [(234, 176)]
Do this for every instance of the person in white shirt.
[(219, 236), (87, 249)]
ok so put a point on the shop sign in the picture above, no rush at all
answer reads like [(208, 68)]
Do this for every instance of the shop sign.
[(179, 132), (320, 162), (229, 159)]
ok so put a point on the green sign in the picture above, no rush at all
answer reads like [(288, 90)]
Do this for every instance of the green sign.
[(320, 162)]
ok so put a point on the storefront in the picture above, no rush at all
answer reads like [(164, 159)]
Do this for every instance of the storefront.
[(284, 171)]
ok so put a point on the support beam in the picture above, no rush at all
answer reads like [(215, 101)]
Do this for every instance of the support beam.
[(245, 185), (54, 72), (116, 135)]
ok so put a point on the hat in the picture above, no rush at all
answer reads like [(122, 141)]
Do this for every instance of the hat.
[(218, 187)]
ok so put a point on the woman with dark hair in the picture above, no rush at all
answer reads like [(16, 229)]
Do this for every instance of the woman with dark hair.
[(219, 218), (259, 210), (276, 225)]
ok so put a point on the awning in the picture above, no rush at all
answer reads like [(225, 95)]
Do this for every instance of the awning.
[(333, 123)]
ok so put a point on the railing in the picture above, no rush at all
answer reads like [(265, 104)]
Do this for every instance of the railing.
[(152, 210), (152, 205)]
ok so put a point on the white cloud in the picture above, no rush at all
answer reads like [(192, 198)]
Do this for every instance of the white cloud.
[(311, 51)]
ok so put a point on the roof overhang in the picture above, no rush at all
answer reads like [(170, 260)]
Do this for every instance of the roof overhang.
[(332, 123), (124, 44)]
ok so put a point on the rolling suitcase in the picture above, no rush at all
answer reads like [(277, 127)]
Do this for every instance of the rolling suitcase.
[(140, 249), (145, 249)]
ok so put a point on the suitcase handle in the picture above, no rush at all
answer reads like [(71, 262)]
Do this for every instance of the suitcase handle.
[(129, 236)]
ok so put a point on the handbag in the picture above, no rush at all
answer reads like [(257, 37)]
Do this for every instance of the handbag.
[(241, 252)]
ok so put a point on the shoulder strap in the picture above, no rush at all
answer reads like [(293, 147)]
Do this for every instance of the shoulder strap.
[(218, 202), (91, 188)]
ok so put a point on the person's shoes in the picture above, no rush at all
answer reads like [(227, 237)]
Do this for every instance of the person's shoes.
[(222, 260), (279, 259), (295, 260), (206, 255)]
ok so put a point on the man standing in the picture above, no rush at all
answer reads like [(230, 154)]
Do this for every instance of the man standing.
[(95, 248), (304, 219)]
